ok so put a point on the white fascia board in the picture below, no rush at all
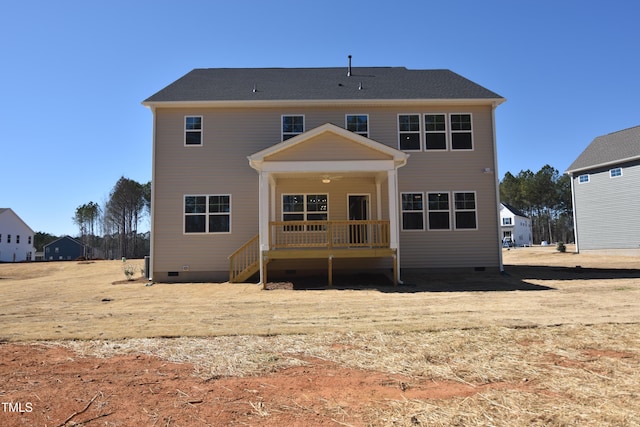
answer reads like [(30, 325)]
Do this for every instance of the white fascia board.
[(326, 166), (323, 102)]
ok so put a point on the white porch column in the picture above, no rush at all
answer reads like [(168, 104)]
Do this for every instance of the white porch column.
[(394, 223), (263, 217), (392, 185)]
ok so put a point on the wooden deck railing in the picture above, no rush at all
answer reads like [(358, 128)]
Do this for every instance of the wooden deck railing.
[(329, 234), (245, 261)]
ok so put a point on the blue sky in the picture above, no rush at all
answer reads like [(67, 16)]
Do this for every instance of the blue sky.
[(74, 73)]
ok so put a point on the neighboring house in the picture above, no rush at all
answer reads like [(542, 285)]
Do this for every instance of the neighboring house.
[(65, 249), (605, 184), (294, 171), (515, 226), (16, 238)]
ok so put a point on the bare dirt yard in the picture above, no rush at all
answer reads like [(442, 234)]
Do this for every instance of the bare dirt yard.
[(555, 341)]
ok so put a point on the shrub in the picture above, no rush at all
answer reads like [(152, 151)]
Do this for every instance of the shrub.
[(560, 247), (129, 270)]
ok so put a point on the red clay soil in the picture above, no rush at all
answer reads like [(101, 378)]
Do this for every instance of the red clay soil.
[(52, 386)]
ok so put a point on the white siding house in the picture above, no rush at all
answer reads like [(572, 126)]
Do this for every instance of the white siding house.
[(515, 226), (16, 238)]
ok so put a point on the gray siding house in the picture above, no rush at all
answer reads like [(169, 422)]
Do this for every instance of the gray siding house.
[(605, 185), (281, 172)]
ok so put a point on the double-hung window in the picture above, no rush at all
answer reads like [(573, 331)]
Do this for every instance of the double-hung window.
[(461, 132), (292, 126), (435, 132), (409, 132), (207, 213), (412, 211), (465, 210), (193, 130), (438, 208), (358, 123), (305, 207)]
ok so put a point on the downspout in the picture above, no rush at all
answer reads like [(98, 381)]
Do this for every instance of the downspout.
[(575, 217), (153, 194), (497, 183)]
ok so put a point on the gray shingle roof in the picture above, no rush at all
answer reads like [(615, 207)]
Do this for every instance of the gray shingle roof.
[(616, 147), (277, 84)]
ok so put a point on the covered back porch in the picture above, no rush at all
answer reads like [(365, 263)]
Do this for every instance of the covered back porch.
[(325, 194)]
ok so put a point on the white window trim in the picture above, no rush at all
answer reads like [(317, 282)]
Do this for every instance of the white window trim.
[(447, 137), (185, 130), (206, 214), (586, 181), (419, 131), (346, 124), (304, 211), (454, 210), (304, 125), (451, 132), (402, 211), (449, 211), (612, 176)]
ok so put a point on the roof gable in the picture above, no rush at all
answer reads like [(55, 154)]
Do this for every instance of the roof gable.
[(610, 149), (9, 211), (307, 84), (513, 210), (68, 239), (328, 143)]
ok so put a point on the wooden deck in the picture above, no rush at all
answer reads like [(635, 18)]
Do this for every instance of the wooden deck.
[(315, 240)]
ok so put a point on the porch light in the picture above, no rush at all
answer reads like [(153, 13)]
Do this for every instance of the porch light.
[(326, 180)]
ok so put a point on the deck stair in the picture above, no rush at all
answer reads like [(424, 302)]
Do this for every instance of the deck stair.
[(245, 262)]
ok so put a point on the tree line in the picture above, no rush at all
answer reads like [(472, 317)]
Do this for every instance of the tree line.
[(545, 197), (110, 230)]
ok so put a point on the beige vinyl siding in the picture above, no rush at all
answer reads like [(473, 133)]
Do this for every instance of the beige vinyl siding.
[(338, 191), (220, 166), (328, 147), (454, 171)]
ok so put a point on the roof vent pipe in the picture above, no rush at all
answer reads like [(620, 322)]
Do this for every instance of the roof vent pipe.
[(349, 69)]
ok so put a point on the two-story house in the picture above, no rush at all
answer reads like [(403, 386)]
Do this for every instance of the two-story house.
[(66, 248), (515, 226), (16, 238), (289, 171), (605, 183)]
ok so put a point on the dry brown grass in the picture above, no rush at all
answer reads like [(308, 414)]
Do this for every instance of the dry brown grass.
[(70, 300), (565, 355)]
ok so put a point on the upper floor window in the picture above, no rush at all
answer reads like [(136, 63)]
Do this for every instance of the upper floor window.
[(412, 211), (17, 239), (438, 205), (8, 238), (292, 126), (583, 179), (409, 132), (29, 240), (435, 129), (358, 123), (0, 238), (461, 132), (613, 173), (465, 210), (193, 130), (207, 213), (506, 221)]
